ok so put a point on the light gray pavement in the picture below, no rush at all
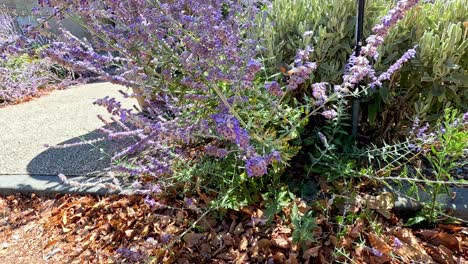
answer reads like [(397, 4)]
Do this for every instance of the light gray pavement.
[(64, 116)]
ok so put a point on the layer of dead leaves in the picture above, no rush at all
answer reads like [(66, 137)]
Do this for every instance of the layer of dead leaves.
[(116, 229)]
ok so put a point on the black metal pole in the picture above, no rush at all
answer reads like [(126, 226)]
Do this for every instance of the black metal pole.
[(359, 27)]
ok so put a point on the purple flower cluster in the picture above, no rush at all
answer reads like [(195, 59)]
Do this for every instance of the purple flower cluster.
[(303, 55), (253, 67), (302, 70), (300, 74), (258, 166), (130, 254), (375, 252), (150, 201), (397, 243), (323, 138), (215, 151), (29, 74), (274, 88), (330, 114), (360, 68), (8, 31), (273, 156), (228, 127), (424, 134), (156, 137), (319, 92)]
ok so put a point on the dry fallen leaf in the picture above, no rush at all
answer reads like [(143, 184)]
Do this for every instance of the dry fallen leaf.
[(292, 259), (228, 240), (441, 238), (243, 258), (284, 230), (279, 257), (264, 243), (192, 238), (357, 229), (129, 233), (243, 244), (238, 229), (379, 244), (410, 249), (439, 255), (311, 252), (452, 228), (50, 243), (230, 255), (205, 249), (280, 242)]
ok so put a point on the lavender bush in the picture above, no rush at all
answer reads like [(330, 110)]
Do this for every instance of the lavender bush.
[(20, 82), (22, 73), (210, 111)]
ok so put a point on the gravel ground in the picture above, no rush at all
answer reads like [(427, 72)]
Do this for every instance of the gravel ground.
[(64, 116)]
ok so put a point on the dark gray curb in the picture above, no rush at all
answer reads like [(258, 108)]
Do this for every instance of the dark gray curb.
[(455, 203), (51, 185)]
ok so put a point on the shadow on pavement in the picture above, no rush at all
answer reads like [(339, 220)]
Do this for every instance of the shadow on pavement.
[(83, 160)]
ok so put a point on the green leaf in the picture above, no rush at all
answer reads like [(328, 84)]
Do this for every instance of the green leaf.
[(426, 77), (384, 93), (437, 90), (373, 110), (415, 220)]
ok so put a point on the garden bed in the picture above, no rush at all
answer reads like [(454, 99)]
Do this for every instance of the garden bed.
[(117, 229), (269, 132)]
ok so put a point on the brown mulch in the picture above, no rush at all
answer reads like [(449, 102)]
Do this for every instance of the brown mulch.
[(117, 229)]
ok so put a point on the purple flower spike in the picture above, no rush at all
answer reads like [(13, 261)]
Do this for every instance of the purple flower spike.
[(216, 152), (253, 67), (411, 53), (329, 114), (150, 201), (273, 156), (376, 252), (319, 91), (256, 167), (397, 243)]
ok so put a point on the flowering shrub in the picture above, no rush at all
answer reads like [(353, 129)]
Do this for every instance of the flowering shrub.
[(22, 72), (211, 111), (23, 80)]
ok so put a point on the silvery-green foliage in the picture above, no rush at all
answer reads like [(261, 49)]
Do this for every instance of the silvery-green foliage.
[(434, 80), (437, 77), (328, 26)]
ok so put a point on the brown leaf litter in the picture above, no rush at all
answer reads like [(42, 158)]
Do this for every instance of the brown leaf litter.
[(118, 229)]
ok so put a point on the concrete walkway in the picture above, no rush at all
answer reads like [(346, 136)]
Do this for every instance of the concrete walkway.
[(62, 117)]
